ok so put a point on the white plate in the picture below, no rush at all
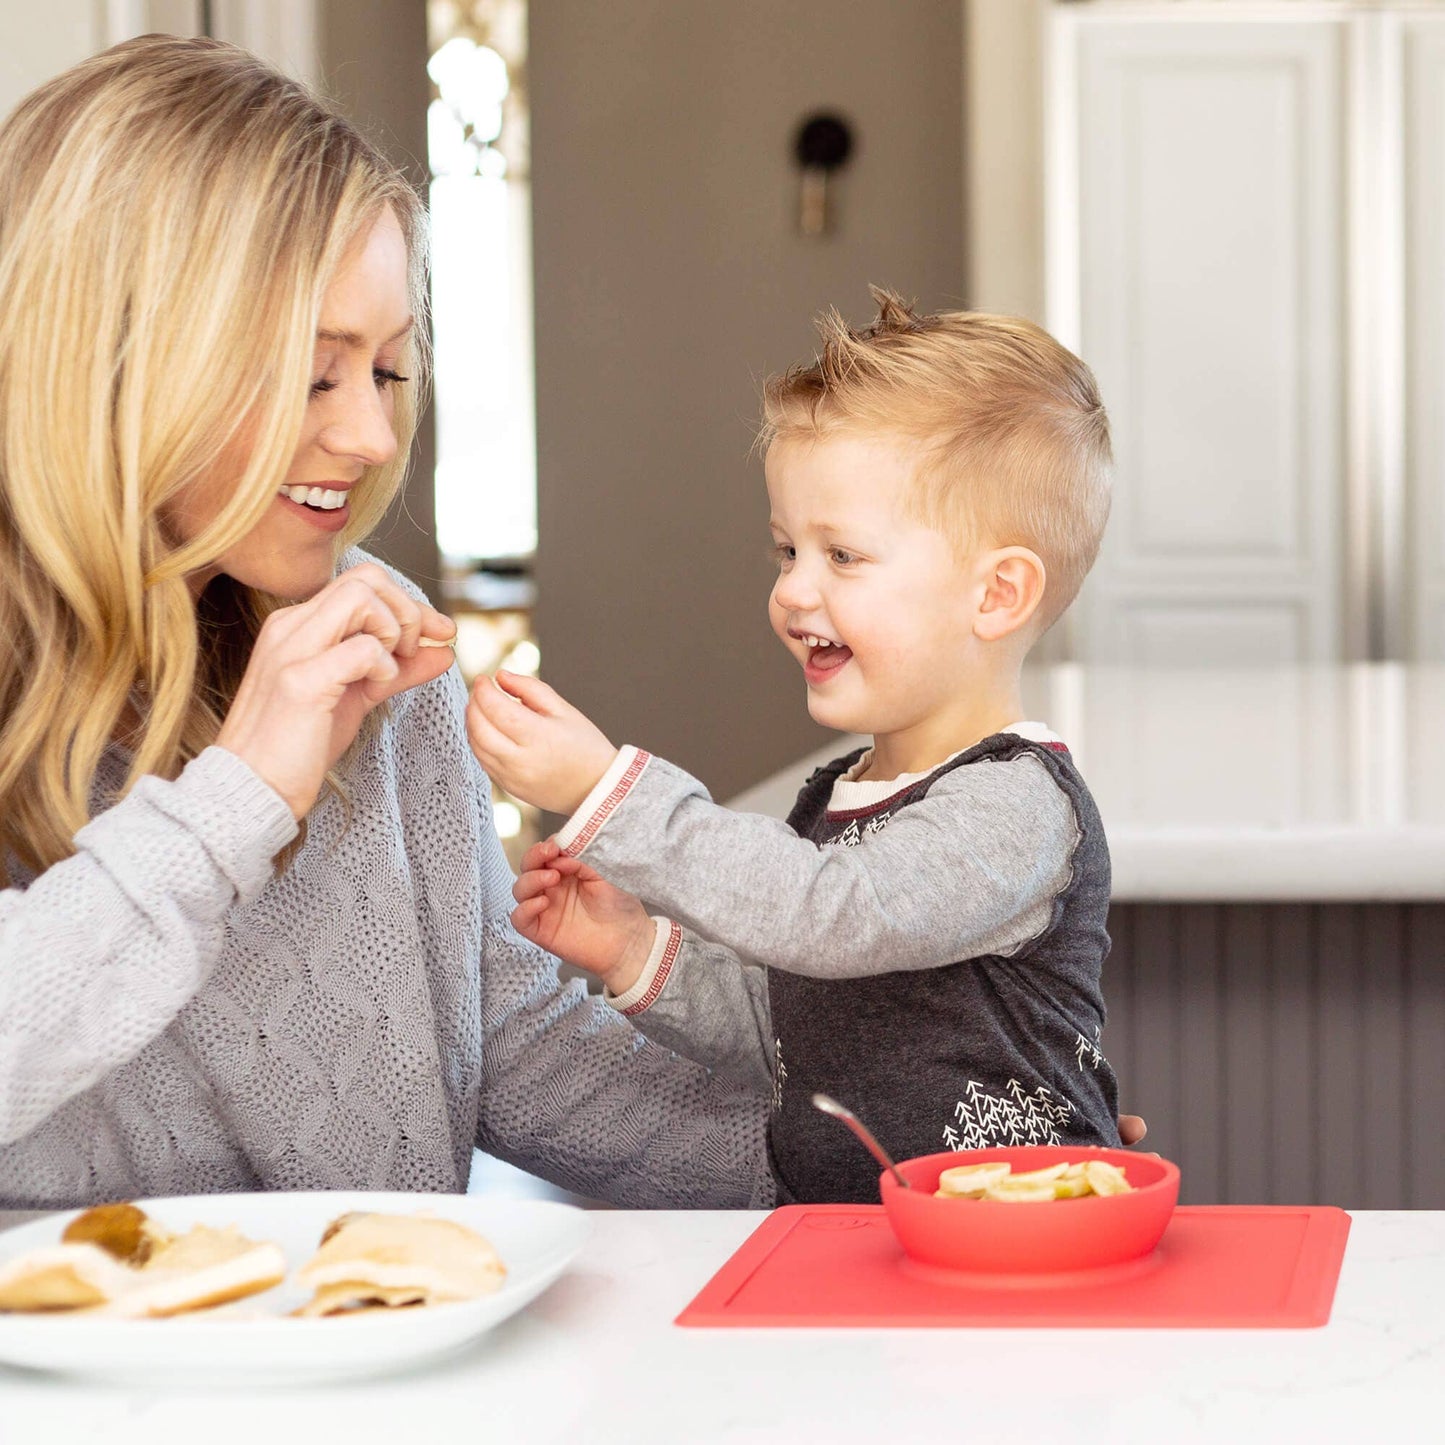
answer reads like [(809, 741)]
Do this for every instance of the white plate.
[(253, 1337)]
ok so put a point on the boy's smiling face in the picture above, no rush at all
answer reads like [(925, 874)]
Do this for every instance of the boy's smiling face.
[(877, 607)]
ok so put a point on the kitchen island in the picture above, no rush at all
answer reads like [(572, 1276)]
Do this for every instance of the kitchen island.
[(597, 1359), (1276, 988)]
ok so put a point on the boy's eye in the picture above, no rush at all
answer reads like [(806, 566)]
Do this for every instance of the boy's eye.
[(841, 557), (784, 552)]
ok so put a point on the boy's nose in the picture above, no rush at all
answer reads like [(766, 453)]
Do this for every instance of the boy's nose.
[(795, 591)]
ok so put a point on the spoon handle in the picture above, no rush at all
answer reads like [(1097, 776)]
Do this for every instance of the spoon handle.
[(830, 1105)]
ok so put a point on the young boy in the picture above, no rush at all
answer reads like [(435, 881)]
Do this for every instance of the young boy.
[(930, 919)]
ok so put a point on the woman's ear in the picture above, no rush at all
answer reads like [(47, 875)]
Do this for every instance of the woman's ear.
[(1013, 586)]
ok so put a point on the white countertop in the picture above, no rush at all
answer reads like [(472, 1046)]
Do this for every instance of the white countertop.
[(1323, 783), (597, 1359)]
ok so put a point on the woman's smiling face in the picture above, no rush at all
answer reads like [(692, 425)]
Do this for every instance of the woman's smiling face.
[(365, 321)]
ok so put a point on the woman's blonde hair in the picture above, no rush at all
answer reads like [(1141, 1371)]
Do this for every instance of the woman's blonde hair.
[(171, 213), (1011, 435)]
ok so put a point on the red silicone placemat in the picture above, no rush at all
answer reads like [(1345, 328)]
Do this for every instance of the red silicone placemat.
[(1223, 1267)]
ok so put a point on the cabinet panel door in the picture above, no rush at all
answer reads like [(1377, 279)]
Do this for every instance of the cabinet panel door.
[(1424, 153), (1210, 176)]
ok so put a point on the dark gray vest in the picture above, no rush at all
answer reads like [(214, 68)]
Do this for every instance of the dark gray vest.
[(989, 1050)]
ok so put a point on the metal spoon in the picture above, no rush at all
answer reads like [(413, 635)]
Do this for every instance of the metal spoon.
[(830, 1105)]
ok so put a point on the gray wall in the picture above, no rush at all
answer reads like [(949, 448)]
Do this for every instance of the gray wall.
[(372, 57), (1284, 1053), (669, 280)]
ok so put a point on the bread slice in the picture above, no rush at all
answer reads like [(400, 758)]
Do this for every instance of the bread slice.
[(388, 1261)]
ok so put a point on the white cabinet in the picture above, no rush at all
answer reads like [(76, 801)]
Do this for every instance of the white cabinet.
[(1246, 209), (1422, 573)]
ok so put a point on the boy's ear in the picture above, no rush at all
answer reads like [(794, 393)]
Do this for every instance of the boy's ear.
[(1014, 579)]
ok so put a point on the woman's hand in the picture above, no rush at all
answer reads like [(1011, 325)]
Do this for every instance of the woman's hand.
[(572, 911), (319, 667), (534, 744)]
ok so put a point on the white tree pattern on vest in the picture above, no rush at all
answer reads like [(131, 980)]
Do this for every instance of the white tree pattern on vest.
[(780, 1074), (984, 1119), (1084, 1049)]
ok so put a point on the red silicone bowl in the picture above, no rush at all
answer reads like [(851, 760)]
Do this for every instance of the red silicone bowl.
[(990, 1237)]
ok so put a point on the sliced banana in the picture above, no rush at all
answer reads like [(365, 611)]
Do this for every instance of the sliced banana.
[(970, 1180), (1058, 1181), (1106, 1178), (1021, 1191), (1073, 1186), (1041, 1176)]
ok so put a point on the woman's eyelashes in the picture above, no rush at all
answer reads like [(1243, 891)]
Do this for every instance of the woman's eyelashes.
[(382, 376)]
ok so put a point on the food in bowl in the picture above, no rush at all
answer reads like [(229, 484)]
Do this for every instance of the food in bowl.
[(990, 1236), (1037, 1186)]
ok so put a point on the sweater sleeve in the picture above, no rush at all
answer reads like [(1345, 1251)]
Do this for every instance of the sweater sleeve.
[(704, 1001), (572, 1092), (975, 867), (567, 1088), (105, 948)]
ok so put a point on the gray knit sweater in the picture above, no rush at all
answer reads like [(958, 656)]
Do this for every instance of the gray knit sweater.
[(174, 1018)]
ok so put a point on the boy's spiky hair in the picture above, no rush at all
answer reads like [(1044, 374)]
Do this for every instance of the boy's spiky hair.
[(1011, 437)]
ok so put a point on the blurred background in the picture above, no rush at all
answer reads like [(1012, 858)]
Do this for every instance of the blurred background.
[(1233, 209)]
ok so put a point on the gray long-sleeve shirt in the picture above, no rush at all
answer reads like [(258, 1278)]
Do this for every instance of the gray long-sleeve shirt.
[(942, 974), (176, 1019)]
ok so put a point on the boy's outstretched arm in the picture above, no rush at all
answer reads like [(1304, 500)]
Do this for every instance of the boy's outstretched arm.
[(535, 744), (573, 912), (697, 998)]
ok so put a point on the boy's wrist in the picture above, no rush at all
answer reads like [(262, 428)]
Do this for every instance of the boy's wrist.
[(663, 938), (629, 968), (587, 818)]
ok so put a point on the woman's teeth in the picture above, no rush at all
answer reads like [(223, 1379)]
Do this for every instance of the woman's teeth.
[(323, 498)]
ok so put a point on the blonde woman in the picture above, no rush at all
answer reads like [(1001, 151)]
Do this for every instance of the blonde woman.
[(254, 922)]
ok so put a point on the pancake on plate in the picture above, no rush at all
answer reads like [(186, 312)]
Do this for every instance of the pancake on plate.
[(115, 1260), (388, 1261)]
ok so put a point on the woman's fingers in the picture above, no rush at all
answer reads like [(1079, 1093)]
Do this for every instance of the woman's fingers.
[(319, 667), (359, 658), (347, 606)]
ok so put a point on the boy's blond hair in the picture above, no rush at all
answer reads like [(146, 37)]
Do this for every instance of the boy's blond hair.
[(1012, 438)]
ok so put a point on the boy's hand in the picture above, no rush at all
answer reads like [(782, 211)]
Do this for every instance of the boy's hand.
[(572, 911), (534, 744), (1132, 1129)]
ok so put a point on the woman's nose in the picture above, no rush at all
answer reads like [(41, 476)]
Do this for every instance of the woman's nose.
[(363, 429)]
